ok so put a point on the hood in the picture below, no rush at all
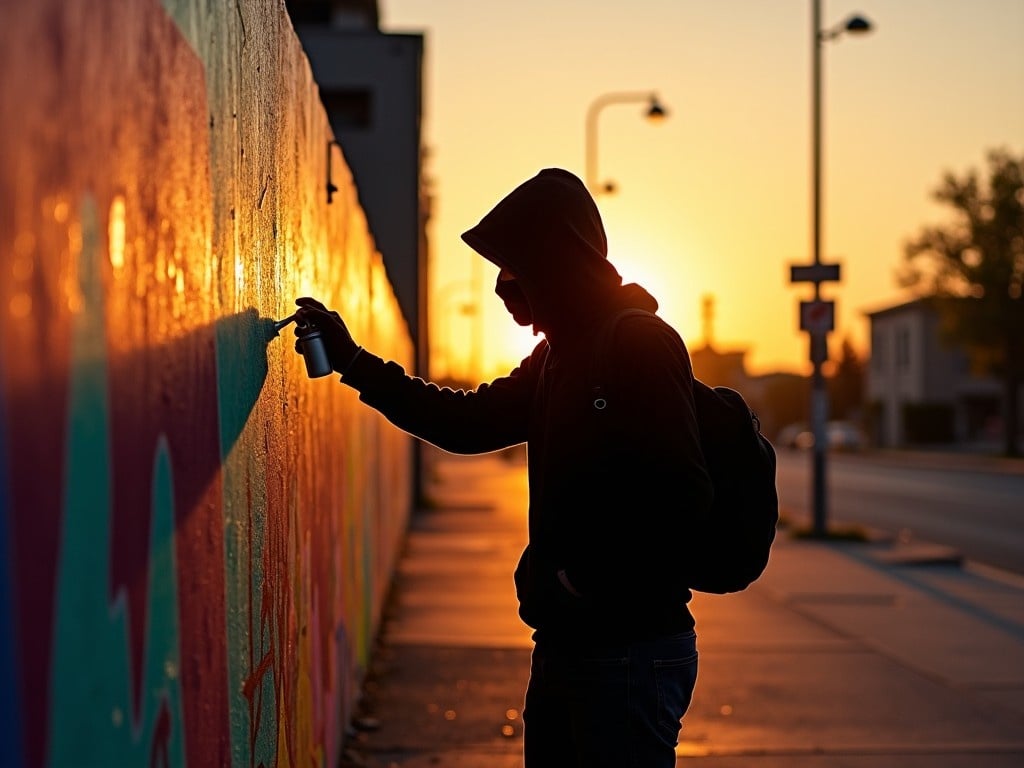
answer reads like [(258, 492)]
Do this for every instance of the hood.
[(548, 233)]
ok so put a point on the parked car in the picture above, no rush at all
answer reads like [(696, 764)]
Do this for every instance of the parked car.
[(787, 436), (843, 436)]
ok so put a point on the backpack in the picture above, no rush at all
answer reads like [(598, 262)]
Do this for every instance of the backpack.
[(731, 548)]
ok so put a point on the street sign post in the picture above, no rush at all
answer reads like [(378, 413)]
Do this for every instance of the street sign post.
[(817, 318)]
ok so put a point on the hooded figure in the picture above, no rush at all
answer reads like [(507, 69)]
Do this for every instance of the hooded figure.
[(613, 494), (548, 233)]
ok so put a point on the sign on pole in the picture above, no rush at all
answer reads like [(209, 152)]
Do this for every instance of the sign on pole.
[(817, 317), (814, 273)]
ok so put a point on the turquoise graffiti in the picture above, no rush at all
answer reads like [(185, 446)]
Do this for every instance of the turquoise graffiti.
[(92, 719)]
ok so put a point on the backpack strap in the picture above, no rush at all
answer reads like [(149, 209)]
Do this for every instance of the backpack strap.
[(599, 362)]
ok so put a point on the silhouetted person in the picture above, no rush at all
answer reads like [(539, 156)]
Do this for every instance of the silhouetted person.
[(613, 493)]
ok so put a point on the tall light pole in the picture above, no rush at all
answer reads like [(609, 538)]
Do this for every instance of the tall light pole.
[(817, 316), (655, 113), (855, 24)]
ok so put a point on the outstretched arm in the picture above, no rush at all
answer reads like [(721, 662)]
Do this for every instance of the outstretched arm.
[(491, 417)]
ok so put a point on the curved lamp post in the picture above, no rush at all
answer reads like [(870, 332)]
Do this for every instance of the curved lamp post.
[(853, 25), (655, 113)]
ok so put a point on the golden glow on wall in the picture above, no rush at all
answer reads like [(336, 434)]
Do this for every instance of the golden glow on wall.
[(116, 232)]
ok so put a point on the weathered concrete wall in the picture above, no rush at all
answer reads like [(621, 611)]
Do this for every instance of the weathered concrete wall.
[(195, 539)]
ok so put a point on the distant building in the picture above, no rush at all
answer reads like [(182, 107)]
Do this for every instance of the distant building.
[(922, 390), (717, 368), (728, 368), (371, 85), (720, 368)]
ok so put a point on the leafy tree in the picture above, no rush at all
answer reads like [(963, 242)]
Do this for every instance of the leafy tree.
[(978, 260)]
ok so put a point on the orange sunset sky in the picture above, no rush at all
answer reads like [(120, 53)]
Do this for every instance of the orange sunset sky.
[(716, 199)]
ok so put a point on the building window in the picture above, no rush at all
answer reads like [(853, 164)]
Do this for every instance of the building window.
[(878, 351), (349, 109)]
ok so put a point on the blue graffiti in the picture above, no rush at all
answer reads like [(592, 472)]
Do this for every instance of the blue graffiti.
[(10, 712)]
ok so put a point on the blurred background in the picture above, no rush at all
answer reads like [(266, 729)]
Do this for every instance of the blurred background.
[(790, 133), (716, 198)]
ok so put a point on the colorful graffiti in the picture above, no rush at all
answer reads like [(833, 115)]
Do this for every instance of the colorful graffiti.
[(195, 538)]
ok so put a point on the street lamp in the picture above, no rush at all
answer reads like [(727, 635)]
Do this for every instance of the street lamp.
[(853, 25), (655, 113)]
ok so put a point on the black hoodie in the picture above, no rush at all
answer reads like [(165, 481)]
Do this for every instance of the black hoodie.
[(613, 494)]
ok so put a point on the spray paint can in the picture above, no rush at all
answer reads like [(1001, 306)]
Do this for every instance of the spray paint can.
[(310, 344)]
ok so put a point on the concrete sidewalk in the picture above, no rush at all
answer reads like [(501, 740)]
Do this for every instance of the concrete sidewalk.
[(843, 655)]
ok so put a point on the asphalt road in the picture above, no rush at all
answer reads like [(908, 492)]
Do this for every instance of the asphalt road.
[(978, 512)]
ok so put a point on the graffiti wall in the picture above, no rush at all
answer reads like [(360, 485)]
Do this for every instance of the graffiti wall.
[(195, 537)]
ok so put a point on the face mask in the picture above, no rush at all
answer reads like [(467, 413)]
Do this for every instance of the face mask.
[(510, 292)]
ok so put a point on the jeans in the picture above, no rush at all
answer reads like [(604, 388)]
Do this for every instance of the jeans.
[(608, 707)]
